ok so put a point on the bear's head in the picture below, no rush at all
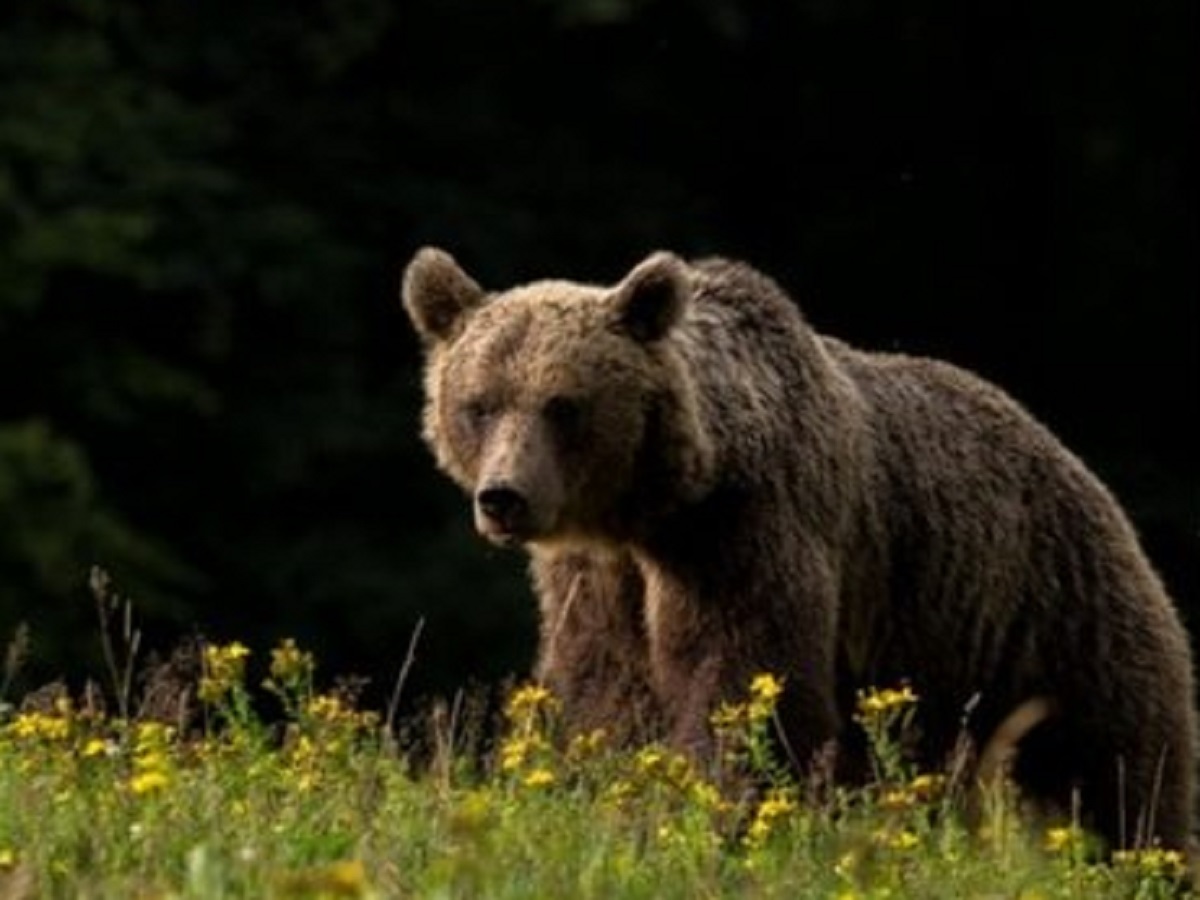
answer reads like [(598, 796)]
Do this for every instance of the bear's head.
[(564, 409)]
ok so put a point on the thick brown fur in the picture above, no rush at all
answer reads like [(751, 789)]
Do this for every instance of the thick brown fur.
[(709, 489)]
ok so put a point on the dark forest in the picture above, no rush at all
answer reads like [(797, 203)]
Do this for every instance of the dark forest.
[(208, 387)]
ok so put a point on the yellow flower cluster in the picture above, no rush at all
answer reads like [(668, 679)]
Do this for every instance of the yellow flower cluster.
[(1065, 839), (921, 789), (540, 777), (151, 757), (345, 878), (290, 677), (656, 771), (98, 747), (56, 725), (877, 703), (584, 747), (765, 691), (896, 839), (332, 710), (303, 763), (40, 726), (743, 731), (657, 763), (224, 670), (518, 749), (775, 806), (527, 750), (757, 711), (1152, 862), (290, 665), (529, 701)]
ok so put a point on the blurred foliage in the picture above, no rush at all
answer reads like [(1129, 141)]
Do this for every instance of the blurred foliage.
[(204, 208)]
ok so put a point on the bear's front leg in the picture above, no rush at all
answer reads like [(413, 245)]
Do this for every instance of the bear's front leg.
[(710, 635), (593, 654)]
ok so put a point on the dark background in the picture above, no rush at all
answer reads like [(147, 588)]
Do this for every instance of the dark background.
[(207, 385)]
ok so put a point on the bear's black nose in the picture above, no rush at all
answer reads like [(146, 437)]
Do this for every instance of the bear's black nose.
[(503, 506)]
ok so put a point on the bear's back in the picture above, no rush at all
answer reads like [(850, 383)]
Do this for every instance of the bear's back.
[(987, 522)]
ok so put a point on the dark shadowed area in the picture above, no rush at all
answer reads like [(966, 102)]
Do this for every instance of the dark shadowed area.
[(208, 387)]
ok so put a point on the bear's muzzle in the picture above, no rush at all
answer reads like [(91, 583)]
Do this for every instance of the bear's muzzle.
[(502, 514)]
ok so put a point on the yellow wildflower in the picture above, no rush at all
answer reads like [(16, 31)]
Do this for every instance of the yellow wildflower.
[(706, 795), (653, 764), (649, 759), (729, 717), (346, 878), (901, 839), (926, 785), (151, 757), (897, 798), (302, 762), (876, 703), (330, 709), (8, 858), (679, 771), (94, 747), (290, 664), (846, 865), (528, 700), (775, 806), (904, 840), (617, 795), (301, 751), (153, 734), (1063, 839), (539, 778), (327, 708), (586, 746), (517, 750), (149, 781), (224, 669), (765, 691), (766, 687), (43, 726), (512, 754), (1152, 862)]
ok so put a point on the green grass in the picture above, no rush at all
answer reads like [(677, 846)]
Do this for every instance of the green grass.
[(188, 793)]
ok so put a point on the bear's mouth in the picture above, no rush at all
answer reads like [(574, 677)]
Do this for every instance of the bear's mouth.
[(502, 537), (504, 515), (510, 532)]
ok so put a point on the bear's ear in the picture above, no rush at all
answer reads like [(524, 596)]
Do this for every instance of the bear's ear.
[(437, 293), (652, 297)]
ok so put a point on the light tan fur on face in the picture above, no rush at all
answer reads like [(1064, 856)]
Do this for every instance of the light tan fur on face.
[(519, 453)]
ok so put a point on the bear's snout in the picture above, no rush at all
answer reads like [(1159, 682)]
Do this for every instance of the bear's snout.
[(501, 512)]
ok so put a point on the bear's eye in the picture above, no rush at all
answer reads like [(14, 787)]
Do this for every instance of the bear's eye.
[(476, 414), (565, 414)]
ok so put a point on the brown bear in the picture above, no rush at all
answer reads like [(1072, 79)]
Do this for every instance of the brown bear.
[(709, 489)]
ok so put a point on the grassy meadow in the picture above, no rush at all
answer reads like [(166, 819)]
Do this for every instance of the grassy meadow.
[(179, 786)]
